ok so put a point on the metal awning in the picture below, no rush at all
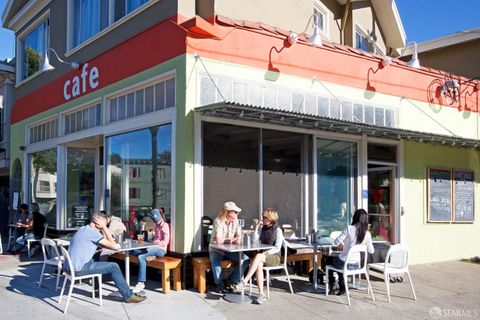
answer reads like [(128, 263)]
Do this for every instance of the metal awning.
[(237, 111)]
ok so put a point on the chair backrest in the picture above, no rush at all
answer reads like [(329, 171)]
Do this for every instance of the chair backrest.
[(397, 256), (45, 226), (360, 249), (67, 259), (285, 253), (49, 249)]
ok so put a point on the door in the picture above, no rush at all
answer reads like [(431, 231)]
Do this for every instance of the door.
[(80, 186), (381, 206)]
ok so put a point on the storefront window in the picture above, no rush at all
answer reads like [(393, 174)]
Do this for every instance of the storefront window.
[(80, 186), (230, 170), (43, 183), (282, 178), (139, 171), (337, 172)]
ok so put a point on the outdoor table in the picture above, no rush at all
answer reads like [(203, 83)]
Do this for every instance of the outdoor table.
[(240, 248), (303, 244), (126, 247)]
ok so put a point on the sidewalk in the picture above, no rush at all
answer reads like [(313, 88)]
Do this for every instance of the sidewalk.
[(444, 290)]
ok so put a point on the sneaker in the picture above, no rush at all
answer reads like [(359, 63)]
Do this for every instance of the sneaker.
[(241, 285), (218, 290), (260, 299), (135, 298), (139, 287), (150, 258)]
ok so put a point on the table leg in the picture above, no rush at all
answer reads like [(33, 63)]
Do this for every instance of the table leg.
[(9, 237), (235, 297), (316, 287), (127, 267)]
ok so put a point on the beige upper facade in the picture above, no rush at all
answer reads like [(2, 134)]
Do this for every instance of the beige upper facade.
[(369, 25), (457, 53)]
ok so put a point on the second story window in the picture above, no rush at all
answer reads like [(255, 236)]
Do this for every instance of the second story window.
[(366, 42), (33, 48), (90, 17), (322, 12), (124, 7)]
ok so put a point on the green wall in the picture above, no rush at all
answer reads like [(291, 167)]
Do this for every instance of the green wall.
[(430, 242), (184, 227)]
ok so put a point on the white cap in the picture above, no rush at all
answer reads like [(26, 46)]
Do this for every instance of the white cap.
[(231, 206)]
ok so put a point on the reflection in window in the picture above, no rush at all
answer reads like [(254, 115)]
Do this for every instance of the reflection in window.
[(43, 180), (132, 159), (34, 46), (337, 172)]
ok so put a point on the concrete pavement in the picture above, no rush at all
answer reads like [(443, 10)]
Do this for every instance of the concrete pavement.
[(444, 290)]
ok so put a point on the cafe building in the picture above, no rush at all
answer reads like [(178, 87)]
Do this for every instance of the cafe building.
[(186, 112)]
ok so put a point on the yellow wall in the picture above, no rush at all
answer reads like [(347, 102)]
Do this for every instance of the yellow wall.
[(429, 242)]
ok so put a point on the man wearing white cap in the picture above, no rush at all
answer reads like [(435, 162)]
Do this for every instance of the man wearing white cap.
[(226, 229)]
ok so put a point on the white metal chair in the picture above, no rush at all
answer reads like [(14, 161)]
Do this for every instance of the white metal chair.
[(70, 275), (396, 262), (29, 241), (282, 265), (356, 249), (52, 257)]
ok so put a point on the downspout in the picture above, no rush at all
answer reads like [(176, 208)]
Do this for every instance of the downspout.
[(344, 22)]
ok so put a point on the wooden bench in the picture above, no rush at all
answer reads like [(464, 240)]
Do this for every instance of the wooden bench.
[(200, 267), (163, 263), (307, 256)]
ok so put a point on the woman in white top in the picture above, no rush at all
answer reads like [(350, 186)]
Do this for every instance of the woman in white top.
[(270, 233), (356, 233)]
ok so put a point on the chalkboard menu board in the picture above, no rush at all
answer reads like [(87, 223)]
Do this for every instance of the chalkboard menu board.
[(440, 195), (81, 216), (464, 193)]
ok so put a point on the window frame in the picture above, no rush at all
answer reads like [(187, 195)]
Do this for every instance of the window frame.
[(363, 34), (322, 9), (20, 38), (112, 24)]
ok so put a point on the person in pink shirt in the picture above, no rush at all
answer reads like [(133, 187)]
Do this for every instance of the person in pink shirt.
[(161, 239)]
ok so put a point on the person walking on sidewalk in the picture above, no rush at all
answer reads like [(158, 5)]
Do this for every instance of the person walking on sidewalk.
[(82, 248), (161, 239)]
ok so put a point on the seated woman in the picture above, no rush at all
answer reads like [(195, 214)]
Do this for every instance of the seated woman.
[(356, 233), (271, 234)]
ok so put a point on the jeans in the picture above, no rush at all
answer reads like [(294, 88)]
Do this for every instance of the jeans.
[(17, 232), (142, 260), (339, 263), (111, 268), (216, 260)]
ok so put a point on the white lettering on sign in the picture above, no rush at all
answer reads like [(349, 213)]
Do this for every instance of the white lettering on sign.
[(79, 84)]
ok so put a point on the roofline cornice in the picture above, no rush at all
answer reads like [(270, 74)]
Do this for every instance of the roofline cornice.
[(28, 11)]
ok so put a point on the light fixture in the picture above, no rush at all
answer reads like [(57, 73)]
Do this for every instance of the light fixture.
[(386, 61), (315, 39), (414, 62), (48, 67)]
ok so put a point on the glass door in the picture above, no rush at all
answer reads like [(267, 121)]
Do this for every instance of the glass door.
[(80, 186), (381, 207)]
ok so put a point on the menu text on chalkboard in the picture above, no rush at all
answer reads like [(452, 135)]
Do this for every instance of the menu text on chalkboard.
[(439, 195), (464, 192)]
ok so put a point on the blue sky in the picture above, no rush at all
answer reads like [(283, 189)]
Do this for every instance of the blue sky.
[(422, 19)]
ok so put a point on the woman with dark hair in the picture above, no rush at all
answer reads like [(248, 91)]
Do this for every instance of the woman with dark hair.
[(356, 233)]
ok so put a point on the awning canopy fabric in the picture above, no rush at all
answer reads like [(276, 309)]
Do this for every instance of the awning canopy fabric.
[(237, 111)]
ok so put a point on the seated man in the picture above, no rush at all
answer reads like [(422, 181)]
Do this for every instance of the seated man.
[(117, 229), (83, 246)]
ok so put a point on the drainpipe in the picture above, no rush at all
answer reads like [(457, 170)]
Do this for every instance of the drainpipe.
[(344, 22)]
